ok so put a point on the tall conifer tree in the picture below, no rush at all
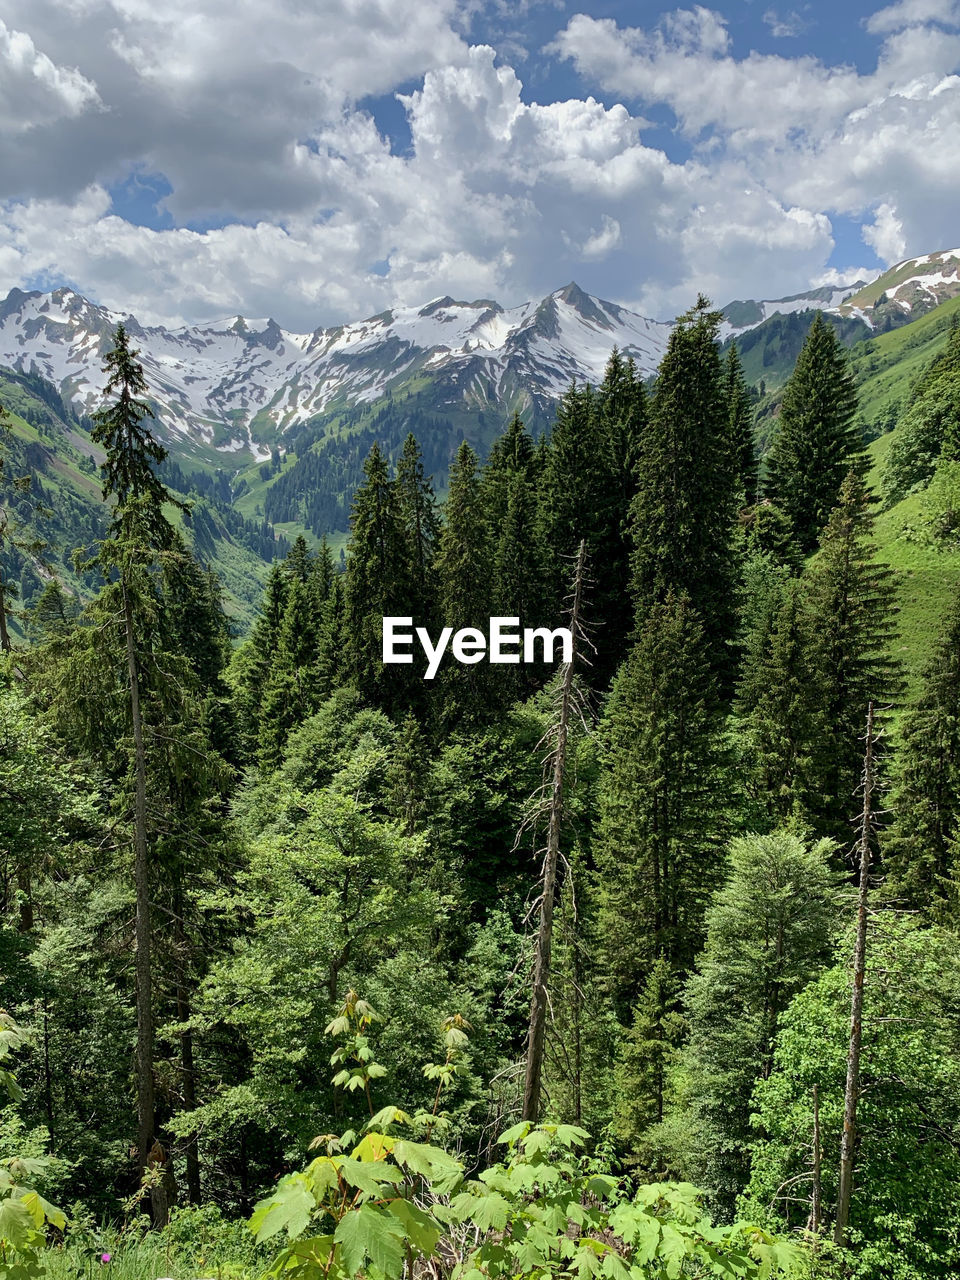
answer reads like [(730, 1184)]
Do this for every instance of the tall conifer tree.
[(922, 850), (742, 450), (682, 516), (660, 814), (817, 440), (850, 600)]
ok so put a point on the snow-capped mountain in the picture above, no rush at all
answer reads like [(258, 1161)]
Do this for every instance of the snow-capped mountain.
[(740, 316), (891, 298), (237, 385), (907, 290)]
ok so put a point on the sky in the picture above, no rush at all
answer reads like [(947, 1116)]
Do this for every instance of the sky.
[(319, 161)]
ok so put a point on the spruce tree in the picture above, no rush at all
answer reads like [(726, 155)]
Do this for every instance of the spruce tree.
[(769, 929), (464, 566), (741, 448), (779, 711), (621, 406), (850, 601), (921, 849), (421, 523), (682, 514), (378, 584), (817, 440), (147, 726), (660, 803), (647, 1056)]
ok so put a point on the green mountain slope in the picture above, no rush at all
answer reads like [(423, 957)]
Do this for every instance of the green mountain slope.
[(64, 508)]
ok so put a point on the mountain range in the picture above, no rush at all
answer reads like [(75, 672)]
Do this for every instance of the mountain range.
[(267, 429)]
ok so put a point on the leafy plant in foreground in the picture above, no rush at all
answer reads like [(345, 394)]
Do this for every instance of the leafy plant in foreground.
[(24, 1214)]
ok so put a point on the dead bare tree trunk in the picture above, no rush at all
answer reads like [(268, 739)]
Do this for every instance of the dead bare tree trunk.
[(556, 764), (852, 1091), (142, 929)]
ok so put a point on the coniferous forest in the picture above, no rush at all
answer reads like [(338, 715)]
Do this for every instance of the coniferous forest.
[(641, 964)]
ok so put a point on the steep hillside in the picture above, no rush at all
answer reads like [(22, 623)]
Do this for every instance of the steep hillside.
[(64, 510)]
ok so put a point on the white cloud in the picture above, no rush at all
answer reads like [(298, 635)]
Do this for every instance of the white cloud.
[(34, 89), (251, 110), (785, 26), (885, 235), (908, 13)]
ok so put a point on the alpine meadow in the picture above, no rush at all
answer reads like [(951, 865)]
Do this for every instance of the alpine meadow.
[(480, 782)]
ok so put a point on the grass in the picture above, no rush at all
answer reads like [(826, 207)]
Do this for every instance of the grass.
[(197, 1243)]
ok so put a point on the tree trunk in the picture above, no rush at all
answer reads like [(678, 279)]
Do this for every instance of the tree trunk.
[(5, 644), (143, 935), (852, 1090), (189, 1085), (536, 1034)]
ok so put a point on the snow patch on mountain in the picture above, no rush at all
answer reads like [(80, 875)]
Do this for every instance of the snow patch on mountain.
[(236, 382)]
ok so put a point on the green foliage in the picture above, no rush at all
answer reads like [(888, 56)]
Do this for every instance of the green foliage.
[(24, 1213), (683, 510), (928, 428), (817, 441), (769, 930), (921, 847), (391, 1203), (905, 1214), (660, 802)]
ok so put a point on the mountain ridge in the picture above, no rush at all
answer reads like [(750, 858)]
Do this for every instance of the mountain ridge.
[(239, 385)]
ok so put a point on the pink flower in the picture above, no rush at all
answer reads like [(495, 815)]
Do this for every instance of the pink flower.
[(105, 1257)]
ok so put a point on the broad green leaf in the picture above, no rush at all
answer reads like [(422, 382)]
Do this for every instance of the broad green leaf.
[(373, 1147), (419, 1228), (613, 1266), (16, 1224), (322, 1175), (489, 1212), (369, 1232), (441, 1169), (515, 1133), (369, 1176), (43, 1211), (673, 1249), (571, 1135), (289, 1208)]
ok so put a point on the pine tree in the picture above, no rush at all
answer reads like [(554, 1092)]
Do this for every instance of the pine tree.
[(660, 804), (682, 515), (377, 583), (464, 569), (850, 601), (769, 929), (817, 440), (921, 849), (290, 693), (621, 407), (647, 1055), (576, 484), (418, 512), (741, 448), (780, 712), (147, 696)]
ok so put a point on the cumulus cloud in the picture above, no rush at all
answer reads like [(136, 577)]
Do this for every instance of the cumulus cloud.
[(35, 90), (909, 13), (254, 116), (885, 235)]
